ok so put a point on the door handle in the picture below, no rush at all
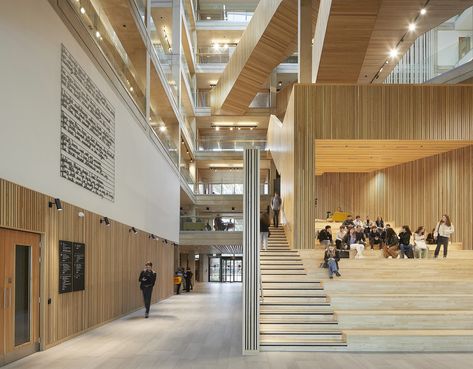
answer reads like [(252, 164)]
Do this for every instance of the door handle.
[(5, 300)]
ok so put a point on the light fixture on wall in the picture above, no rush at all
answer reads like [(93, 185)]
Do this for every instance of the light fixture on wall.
[(57, 203), (152, 236), (165, 241), (105, 220), (81, 214), (133, 229)]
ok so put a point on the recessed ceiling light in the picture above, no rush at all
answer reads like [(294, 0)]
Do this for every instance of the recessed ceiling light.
[(423, 11), (82, 10), (162, 128), (412, 27), (131, 88), (217, 128), (209, 18), (231, 128), (97, 34), (394, 53)]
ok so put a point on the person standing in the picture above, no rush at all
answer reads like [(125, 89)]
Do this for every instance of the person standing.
[(178, 281), (443, 231), (188, 279), (147, 280), (264, 230), (276, 206)]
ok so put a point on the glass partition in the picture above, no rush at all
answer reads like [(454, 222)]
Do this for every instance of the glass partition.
[(437, 51), (221, 144), (236, 12), (226, 189), (212, 223)]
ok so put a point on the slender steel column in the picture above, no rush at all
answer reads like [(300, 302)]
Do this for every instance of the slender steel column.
[(251, 273)]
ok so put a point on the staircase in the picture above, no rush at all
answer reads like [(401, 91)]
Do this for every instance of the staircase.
[(295, 313)]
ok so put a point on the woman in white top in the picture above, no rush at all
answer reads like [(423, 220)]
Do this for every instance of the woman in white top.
[(340, 235), (421, 249), (443, 231)]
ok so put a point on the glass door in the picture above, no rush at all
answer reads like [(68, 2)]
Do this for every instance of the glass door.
[(238, 270), (214, 269), (19, 273), (227, 270)]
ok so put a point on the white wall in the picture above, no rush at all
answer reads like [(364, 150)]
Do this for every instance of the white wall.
[(146, 188)]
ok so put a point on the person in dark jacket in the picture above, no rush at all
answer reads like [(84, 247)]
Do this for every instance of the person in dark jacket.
[(147, 280), (325, 236), (188, 279), (405, 243), (391, 246), (375, 237), (332, 257), (348, 222), (379, 222), (264, 230)]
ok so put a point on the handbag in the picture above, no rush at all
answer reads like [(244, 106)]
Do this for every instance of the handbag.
[(344, 254)]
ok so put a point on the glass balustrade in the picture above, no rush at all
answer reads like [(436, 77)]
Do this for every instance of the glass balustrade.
[(212, 223), (221, 144), (437, 51), (226, 189), (203, 99), (237, 12)]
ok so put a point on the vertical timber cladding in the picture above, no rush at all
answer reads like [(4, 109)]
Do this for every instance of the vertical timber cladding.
[(87, 131), (251, 273)]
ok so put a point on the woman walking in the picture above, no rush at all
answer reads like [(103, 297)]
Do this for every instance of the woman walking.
[(443, 231)]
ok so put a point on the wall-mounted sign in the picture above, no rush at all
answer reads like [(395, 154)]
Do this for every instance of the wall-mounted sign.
[(87, 131), (71, 266)]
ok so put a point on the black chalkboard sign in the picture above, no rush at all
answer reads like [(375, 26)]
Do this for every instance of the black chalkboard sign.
[(71, 266), (78, 267), (65, 266)]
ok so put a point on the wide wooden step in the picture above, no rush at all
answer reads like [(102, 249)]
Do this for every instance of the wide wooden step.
[(321, 308), (294, 293), (402, 301), (293, 300), (282, 267), (293, 286), (405, 319), (414, 340), (297, 318), (284, 272)]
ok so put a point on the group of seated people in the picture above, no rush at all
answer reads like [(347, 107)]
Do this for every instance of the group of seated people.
[(357, 234)]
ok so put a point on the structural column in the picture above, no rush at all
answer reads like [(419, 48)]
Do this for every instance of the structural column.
[(251, 273)]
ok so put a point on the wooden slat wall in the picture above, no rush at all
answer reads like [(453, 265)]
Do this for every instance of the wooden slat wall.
[(281, 143), (114, 258), (354, 112), (416, 193)]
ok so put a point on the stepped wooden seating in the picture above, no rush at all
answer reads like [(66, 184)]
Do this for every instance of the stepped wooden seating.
[(400, 304)]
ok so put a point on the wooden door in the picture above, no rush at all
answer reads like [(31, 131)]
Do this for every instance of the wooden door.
[(20, 285)]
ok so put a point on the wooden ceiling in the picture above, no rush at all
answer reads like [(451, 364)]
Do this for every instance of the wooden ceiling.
[(364, 156), (361, 33)]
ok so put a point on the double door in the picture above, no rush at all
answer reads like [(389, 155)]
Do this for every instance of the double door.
[(232, 269), (19, 283)]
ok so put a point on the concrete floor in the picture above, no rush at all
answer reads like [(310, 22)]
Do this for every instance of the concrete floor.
[(202, 329)]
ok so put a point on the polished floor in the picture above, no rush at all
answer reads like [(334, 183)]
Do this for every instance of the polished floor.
[(200, 330)]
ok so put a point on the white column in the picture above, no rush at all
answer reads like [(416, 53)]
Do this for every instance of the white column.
[(251, 275)]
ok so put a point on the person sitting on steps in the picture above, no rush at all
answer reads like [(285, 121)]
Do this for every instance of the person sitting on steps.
[(355, 240), (325, 236), (332, 258), (421, 248), (340, 235), (405, 243), (375, 237), (391, 247)]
